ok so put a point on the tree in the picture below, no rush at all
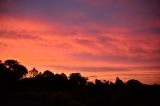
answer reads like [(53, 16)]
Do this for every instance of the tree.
[(98, 83), (61, 81), (119, 83), (48, 74), (134, 83), (16, 69), (33, 73), (77, 79), (61, 77), (4, 72)]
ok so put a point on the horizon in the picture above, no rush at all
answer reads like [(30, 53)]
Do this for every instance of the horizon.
[(101, 39), (103, 76)]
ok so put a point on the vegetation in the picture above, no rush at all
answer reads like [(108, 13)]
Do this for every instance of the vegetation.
[(20, 87)]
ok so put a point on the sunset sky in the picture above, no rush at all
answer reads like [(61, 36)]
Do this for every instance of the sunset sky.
[(101, 39)]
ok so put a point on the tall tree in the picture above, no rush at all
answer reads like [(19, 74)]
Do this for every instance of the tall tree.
[(18, 71)]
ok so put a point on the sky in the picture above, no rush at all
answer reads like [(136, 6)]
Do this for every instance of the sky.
[(101, 39)]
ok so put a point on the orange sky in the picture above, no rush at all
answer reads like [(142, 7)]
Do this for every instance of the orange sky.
[(99, 39)]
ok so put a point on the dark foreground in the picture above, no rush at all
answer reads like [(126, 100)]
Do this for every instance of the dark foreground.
[(49, 89), (29, 93)]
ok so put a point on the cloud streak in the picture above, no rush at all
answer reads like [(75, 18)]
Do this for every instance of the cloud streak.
[(17, 35)]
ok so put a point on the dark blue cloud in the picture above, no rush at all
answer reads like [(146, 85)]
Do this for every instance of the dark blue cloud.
[(150, 30), (76, 12)]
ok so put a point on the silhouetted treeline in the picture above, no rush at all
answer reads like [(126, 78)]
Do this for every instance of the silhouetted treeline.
[(20, 87)]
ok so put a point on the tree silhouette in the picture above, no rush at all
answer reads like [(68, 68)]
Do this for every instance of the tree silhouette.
[(61, 77), (33, 73), (48, 74), (5, 74), (11, 64), (134, 83), (119, 83), (15, 69), (98, 82), (77, 79), (61, 81)]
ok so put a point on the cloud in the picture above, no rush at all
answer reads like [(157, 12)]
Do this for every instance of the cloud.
[(146, 68), (17, 35), (115, 58), (88, 69), (104, 69), (3, 45), (152, 30), (5, 5)]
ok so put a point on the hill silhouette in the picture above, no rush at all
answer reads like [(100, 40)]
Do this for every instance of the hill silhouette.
[(20, 87)]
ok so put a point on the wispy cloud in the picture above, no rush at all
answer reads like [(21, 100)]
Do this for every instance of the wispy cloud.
[(89, 69), (18, 35)]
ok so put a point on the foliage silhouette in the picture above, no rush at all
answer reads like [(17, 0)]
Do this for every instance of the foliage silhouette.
[(77, 80), (15, 68), (52, 89), (48, 74), (33, 73)]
